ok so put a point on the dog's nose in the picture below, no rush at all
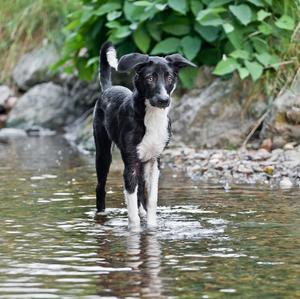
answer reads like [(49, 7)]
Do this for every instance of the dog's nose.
[(163, 101)]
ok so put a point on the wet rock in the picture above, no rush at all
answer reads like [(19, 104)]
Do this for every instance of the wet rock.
[(5, 94), (84, 94), (243, 169), (282, 123), (33, 67), (276, 155), (267, 144), (212, 115), (285, 183), (81, 133), (7, 133), (289, 146), (46, 105), (259, 155)]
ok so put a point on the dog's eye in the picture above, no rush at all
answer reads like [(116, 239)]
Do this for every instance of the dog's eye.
[(170, 79), (150, 79)]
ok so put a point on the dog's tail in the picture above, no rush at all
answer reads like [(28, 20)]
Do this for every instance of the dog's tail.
[(108, 60)]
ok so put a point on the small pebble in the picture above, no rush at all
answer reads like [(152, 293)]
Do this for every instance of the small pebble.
[(285, 183)]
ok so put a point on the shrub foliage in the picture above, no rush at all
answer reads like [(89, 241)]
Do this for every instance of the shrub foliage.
[(247, 36)]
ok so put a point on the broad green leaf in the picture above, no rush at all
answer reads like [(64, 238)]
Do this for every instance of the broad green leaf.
[(92, 61), (210, 17), (240, 54), (142, 3), (113, 15), (190, 46), (260, 45), (262, 14), (209, 33), (187, 76), (113, 24), (228, 27), (177, 27), (265, 28), (242, 13), (132, 12), (236, 38), (121, 32), (217, 3), (167, 46), (196, 6), (274, 62), (87, 14), (85, 72), (264, 58), (106, 8), (285, 22), (243, 72), (142, 39), (133, 26), (179, 5), (154, 29), (226, 66), (72, 25), (161, 6), (254, 68), (258, 3), (269, 2)]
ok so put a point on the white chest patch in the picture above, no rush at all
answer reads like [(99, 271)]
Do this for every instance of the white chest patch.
[(156, 135)]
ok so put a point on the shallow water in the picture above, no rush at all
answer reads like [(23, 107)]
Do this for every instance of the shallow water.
[(209, 244)]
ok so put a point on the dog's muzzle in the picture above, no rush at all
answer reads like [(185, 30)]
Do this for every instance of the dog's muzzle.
[(160, 102)]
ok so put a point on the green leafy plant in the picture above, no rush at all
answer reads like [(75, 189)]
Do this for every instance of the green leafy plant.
[(244, 36)]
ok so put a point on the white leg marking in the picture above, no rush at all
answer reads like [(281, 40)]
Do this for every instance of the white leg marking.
[(151, 178), (132, 208)]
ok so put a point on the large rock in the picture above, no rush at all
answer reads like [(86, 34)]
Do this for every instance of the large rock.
[(212, 116), (84, 94), (33, 67), (81, 133), (5, 94), (282, 123), (47, 105)]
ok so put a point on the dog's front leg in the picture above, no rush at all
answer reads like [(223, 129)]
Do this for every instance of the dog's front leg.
[(131, 174), (151, 178)]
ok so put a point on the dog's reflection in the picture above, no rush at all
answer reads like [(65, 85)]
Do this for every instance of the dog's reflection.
[(144, 257)]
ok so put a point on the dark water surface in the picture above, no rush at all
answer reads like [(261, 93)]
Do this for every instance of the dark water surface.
[(209, 244)]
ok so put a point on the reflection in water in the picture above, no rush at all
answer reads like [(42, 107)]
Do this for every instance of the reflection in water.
[(209, 244), (144, 255)]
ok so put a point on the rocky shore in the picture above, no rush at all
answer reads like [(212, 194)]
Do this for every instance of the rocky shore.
[(215, 114), (278, 168)]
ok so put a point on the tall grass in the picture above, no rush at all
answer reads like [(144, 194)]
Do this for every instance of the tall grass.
[(25, 24)]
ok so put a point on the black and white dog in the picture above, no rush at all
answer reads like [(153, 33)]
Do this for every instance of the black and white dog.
[(137, 122)]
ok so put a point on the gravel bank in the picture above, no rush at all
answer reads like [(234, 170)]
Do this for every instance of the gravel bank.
[(279, 168)]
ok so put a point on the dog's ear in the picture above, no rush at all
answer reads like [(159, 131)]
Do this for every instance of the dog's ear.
[(130, 61), (178, 61)]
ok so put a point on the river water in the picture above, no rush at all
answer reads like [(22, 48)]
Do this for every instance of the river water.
[(243, 243)]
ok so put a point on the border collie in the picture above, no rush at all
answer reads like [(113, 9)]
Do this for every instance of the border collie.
[(137, 122)]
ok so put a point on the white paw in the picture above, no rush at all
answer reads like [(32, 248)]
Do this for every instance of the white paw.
[(134, 225), (151, 221)]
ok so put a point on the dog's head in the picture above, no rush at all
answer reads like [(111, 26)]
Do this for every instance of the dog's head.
[(155, 77)]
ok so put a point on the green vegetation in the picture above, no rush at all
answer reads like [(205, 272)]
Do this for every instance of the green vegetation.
[(250, 36), (25, 24)]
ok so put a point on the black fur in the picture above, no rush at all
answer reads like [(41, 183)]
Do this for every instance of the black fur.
[(119, 114)]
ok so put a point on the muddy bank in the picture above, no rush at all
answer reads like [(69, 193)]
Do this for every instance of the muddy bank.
[(279, 168)]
